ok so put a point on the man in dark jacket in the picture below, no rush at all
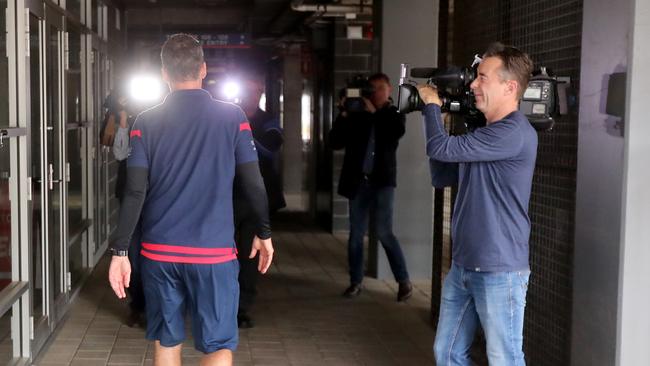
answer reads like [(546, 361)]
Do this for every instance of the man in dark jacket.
[(267, 135), (368, 178)]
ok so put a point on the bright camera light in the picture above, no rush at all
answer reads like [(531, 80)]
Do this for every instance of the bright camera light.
[(231, 90), (145, 88), (262, 104)]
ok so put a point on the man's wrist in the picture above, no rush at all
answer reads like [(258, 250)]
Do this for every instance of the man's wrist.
[(119, 252)]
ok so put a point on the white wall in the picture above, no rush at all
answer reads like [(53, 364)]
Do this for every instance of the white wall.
[(410, 35), (633, 347), (601, 231)]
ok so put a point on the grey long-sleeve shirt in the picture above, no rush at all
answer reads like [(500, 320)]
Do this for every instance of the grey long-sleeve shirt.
[(493, 167)]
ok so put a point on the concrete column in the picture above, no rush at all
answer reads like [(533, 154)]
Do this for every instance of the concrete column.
[(409, 34), (611, 287), (292, 147), (634, 282)]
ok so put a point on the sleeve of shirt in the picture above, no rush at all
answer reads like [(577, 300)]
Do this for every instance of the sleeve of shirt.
[(338, 134), (271, 138), (137, 183), (397, 122), (497, 141), (245, 150), (138, 157), (443, 174), (121, 144)]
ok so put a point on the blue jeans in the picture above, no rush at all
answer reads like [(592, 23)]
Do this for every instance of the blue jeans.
[(495, 299), (382, 198)]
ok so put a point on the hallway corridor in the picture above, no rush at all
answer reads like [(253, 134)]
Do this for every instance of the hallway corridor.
[(300, 317)]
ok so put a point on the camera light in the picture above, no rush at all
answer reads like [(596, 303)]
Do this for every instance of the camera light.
[(145, 88), (231, 90)]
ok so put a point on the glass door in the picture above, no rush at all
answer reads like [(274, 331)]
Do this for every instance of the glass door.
[(101, 188), (76, 151), (48, 250), (55, 169), (36, 92)]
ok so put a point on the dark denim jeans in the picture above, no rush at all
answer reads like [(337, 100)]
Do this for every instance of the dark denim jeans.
[(382, 200)]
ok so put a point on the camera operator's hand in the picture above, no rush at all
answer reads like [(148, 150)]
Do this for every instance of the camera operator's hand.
[(369, 106), (429, 94)]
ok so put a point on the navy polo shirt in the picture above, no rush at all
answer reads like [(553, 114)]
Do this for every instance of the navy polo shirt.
[(190, 145)]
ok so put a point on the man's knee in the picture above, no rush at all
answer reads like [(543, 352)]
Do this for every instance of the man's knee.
[(442, 352), (386, 237), (446, 353)]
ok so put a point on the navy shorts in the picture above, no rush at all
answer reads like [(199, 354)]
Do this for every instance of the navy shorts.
[(209, 292)]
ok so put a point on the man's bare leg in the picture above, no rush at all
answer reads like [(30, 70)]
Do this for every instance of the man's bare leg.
[(219, 358), (167, 356)]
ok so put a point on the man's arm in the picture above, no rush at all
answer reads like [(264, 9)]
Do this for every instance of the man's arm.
[(496, 141), (119, 272), (137, 182), (443, 174), (271, 138), (248, 176), (397, 123), (250, 183), (339, 132)]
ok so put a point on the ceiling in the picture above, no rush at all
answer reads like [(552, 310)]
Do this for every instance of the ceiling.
[(260, 19)]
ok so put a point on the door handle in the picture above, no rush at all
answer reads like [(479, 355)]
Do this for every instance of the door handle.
[(51, 179)]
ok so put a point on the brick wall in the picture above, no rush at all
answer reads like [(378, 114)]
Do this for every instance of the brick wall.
[(550, 31)]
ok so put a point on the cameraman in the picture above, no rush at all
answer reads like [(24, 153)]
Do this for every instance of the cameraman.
[(368, 178), (493, 167)]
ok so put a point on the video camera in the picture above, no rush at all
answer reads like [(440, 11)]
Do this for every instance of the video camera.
[(357, 88), (540, 102)]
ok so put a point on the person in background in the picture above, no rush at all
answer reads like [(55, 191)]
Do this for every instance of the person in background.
[(368, 177), (268, 138)]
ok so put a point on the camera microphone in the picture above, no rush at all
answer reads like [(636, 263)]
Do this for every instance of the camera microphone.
[(423, 72)]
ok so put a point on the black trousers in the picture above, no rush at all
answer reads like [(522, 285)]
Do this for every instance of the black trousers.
[(244, 235)]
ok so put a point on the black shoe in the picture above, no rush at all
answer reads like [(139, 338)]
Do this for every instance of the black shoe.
[(353, 291), (244, 321), (405, 291)]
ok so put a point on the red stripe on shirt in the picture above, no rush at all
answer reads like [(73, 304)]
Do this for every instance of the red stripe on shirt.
[(188, 250), (190, 260), (136, 133), (244, 126)]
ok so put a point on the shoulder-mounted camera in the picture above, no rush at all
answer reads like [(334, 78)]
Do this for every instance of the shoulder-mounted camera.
[(542, 101)]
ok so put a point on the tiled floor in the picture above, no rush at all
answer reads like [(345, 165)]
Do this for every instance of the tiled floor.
[(300, 316)]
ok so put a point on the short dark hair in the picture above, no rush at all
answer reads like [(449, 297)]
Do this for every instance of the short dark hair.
[(517, 65), (182, 57), (379, 76)]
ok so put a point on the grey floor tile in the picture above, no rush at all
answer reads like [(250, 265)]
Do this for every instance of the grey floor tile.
[(301, 319)]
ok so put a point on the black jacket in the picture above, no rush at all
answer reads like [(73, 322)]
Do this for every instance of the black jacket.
[(268, 141), (352, 133)]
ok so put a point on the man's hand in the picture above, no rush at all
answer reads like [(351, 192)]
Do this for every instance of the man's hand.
[(429, 94), (119, 275), (369, 106), (265, 247)]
